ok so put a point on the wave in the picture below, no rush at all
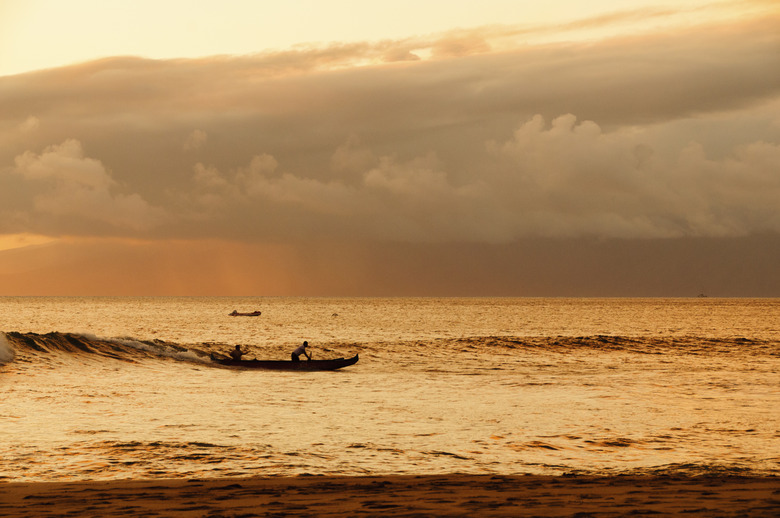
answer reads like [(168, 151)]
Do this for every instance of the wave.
[(635, 344), (59, 346), (16, 345), (7, 353)]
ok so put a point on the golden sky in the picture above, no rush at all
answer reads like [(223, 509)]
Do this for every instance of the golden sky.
[(391, 148), (40, 34)]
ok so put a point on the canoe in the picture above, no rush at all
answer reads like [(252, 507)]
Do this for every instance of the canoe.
[(252, 314), (287, 365)]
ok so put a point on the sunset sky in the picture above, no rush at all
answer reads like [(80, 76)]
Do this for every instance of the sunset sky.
[(558, 148)]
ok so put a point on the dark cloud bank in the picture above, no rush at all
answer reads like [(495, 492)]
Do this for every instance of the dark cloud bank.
[(647, 165)]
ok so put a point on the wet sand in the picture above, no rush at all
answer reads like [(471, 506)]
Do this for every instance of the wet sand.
[(445, 495)]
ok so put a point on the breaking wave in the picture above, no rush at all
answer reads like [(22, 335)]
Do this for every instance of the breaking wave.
[(14, 345), (6, 352)]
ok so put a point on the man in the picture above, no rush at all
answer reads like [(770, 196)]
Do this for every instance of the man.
[(237, 353), (301, 351)]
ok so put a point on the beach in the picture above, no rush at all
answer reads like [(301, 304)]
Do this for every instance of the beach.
[(405, 495)]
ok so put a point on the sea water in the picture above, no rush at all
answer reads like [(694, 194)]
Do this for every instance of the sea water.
[(114, 388)]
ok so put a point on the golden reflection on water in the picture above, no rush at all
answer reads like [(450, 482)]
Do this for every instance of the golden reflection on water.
[(544, 396)]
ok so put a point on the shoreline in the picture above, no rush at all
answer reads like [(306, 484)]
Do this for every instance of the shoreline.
[(399, 495)]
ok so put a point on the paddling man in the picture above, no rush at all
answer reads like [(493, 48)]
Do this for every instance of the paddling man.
[(301, 351), (237, 353)]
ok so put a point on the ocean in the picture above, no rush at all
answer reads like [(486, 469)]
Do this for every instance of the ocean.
[(123, 388)]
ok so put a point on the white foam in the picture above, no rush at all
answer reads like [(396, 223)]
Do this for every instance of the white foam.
[(161, 350), (7, 353)]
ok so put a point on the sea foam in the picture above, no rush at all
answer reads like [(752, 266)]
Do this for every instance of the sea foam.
[(6, 351)]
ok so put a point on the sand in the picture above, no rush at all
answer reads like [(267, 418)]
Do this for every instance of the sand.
[(445, 495)]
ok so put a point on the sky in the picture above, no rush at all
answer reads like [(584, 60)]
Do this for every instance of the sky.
[(344, 148)]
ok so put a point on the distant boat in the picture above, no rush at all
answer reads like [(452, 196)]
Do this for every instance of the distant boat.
[(252, 314)]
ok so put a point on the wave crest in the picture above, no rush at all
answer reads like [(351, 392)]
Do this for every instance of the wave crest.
[(123, 349), (6, 351)]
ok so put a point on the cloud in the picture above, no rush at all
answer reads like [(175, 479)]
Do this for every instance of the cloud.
[(672, 70), (30, 124), (562, 179), (68, 184), (577, 180), (498, 160), (459, 137), (195, 140)]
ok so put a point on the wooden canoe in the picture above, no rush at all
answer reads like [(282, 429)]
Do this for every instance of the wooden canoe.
[(287, 365)]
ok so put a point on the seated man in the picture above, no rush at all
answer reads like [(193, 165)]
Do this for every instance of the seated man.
[(237, 353), (301, 351)]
